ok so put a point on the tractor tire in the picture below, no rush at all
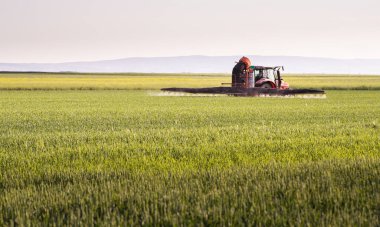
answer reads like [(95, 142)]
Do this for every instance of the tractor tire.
[(266, 85)]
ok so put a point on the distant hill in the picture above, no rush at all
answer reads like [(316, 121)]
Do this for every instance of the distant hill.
[(204, 64)]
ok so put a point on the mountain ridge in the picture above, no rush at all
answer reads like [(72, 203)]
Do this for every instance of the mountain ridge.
[(202, 64)]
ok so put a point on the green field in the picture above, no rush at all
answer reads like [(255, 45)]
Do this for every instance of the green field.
[(129, 157)]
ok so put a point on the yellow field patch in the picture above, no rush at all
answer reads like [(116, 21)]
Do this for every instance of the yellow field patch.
[(42, 81)]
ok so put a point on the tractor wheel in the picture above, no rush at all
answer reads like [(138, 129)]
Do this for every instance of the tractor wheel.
[(266, 85)]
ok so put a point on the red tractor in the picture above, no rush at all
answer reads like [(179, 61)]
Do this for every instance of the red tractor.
[(246, 76), (248, 80)]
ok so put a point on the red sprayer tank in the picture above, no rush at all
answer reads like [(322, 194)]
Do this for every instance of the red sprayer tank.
[(246, 61), (242, 74)]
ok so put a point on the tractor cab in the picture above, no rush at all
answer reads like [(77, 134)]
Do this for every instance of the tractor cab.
[(268, 77)]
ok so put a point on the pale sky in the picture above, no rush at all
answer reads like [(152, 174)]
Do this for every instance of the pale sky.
[(85, 30)]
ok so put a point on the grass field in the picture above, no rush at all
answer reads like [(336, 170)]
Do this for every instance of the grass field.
[(126, 157)]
